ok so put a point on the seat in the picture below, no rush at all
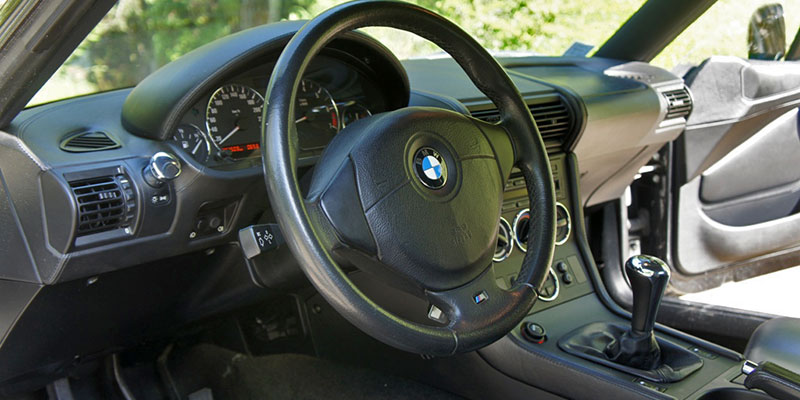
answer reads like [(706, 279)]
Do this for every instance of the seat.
[(778, 341)]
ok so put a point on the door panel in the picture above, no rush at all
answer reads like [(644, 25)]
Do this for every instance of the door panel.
[(705, 244), (738, 202), (767, 160)]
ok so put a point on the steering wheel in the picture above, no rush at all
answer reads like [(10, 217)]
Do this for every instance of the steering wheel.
[(414, 195)]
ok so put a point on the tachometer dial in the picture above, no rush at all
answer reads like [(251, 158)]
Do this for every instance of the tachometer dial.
[(193, 141), (316, 114), (233, 118), (353, 113)]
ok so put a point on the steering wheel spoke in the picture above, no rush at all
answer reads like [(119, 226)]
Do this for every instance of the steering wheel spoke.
[(340, 205), (480, 306), (502, 145)]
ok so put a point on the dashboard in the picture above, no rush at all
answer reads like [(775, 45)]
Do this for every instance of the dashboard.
[(224, 126), (99, 243)]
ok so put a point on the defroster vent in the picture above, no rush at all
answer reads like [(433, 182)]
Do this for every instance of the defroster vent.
[(88, 141), (104, 203)]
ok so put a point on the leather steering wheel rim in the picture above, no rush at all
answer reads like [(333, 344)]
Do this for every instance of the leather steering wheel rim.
[(309, 234)]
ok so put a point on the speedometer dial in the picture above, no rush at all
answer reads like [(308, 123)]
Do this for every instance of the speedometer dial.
[(233, 119)]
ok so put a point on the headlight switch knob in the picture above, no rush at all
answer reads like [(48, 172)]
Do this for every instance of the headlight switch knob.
[(162, 168)]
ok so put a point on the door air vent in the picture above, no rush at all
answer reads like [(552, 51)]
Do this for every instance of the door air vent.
[(88, 141), (679, 103), (554, 119), (103, 203)]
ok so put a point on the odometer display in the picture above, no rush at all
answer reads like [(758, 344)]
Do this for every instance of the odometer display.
[(233, 119), (241, 148)]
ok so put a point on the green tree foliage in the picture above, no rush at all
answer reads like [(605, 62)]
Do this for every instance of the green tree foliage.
[(546, 27), (138, 36)]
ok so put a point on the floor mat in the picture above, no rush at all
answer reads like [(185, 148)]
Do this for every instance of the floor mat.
[(231, 375)]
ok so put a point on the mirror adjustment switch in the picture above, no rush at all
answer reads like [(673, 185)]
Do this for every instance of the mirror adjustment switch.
[(561, 266), (257, 239)]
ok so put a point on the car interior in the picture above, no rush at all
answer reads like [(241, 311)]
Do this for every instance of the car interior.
[(292, 212)]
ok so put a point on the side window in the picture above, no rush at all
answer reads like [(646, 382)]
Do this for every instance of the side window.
[(723, 31)]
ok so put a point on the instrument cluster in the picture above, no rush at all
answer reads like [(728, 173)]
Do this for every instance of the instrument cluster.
[(224, 127)]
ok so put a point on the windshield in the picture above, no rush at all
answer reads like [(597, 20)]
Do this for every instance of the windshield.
[(138, 36)]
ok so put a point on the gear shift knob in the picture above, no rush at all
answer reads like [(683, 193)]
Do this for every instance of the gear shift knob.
[(649, 277)]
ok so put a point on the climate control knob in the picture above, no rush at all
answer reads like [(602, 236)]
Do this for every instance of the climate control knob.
[(162, 167)]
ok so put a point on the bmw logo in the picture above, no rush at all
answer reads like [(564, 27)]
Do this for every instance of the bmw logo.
[(430, 168)]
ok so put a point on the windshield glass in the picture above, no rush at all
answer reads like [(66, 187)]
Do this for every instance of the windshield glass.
[(138, 36)]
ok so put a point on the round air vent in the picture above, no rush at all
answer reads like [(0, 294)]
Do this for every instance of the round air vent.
[(505, 241), (550, 288), (521, 228), (563, 224)]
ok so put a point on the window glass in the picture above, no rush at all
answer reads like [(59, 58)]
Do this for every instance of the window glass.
[(139, 36), (722, 30)]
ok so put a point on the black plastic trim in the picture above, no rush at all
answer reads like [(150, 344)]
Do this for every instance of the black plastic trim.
[(651, 28), (149, 113)]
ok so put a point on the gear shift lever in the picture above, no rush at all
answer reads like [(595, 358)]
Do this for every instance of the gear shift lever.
[(649, 277), (635, 349), (638, 347)]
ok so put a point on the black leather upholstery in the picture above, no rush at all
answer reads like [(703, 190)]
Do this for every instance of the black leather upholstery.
[(312, 237), (598, 342), (775, 380), (777, 341)]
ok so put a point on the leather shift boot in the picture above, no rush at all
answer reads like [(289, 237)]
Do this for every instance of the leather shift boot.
[(637, 352), (613, 346)]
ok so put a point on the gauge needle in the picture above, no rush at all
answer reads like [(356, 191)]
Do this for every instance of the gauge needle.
[(229, 135), (301, 119), (197, 146)]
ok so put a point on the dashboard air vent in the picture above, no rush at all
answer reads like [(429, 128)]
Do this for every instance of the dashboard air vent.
[(554, 119), (101, 204), (679, 103), (88, 141)]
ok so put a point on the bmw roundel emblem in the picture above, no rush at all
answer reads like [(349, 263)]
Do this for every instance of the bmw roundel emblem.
[(430, 168)]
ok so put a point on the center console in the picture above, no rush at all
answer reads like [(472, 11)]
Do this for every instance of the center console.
[(567, 279), (559, 342)]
